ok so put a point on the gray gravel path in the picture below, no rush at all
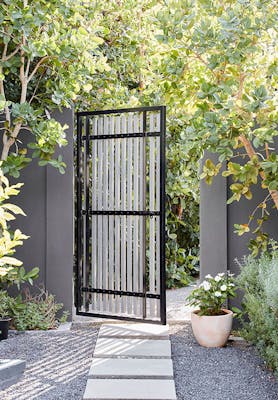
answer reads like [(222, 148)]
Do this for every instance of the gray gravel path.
[(231, 373), (57, 364)]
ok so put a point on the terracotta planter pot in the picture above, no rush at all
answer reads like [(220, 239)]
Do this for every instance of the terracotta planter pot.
[(212, 331)]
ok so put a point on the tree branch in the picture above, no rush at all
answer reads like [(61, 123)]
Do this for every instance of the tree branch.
[(27, 68), (13, 53), (8, 140), (199, 57), (36, 88), (251, 153), (4, 54), (240, 88), (42, 60), (266, 150), (2, 92)]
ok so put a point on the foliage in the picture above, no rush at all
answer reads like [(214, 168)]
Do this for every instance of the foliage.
[(54, 54), (11, 270), (212, 293), (259, 280), (211, 62), (218, 67), (181, 267), (134, 80), (4, 304), (35, 312), (48, 49)]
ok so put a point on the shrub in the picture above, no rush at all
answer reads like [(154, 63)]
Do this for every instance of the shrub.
[(11, 270), (36, 312), (4, 304), (259, 280)]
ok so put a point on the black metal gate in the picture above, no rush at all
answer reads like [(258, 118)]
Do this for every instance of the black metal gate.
[(120, 216)]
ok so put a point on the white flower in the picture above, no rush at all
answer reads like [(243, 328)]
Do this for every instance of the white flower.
[(231, 284), (223, 288), (208, 276), (231, 274), (217, 294), (222, 274), (206, 285), (217, 278)]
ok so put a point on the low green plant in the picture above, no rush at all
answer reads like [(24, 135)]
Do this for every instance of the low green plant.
[(37, 312), (4, 304), (212, 293), (259, 281)]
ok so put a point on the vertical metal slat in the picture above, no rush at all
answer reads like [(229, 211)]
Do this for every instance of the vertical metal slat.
[(94, 217), (123, 217), (152, 220), (100, 207), (117, 217), (136, 178), (111, 194)]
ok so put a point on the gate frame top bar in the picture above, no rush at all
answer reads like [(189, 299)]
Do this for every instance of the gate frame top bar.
[(120, 110)]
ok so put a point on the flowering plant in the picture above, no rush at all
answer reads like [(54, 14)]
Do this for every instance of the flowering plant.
[(212, 294)]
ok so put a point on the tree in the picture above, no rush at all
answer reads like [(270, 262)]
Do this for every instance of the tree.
[(48, 49), (134, 79), (219, 69)]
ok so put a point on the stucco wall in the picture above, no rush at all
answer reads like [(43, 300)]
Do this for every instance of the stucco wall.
[(220, 246), (47, 199)]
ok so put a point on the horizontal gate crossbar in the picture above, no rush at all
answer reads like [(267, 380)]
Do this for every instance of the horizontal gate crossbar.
[(121, 293), (120, 111), (122, 212), (119, 317), (122, 135)]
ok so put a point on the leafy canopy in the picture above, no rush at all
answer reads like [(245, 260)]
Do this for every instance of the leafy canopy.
[(48, 52)]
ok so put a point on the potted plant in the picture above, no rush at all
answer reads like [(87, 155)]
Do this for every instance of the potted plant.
[(4, 315), (211, 323)]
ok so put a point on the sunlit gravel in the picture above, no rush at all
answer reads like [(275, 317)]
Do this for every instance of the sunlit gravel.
[(231, 373)]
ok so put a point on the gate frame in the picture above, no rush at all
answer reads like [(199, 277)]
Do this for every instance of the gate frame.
[(80, 212)]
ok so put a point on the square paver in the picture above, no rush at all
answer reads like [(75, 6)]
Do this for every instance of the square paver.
[(128, 389), (10, 372), (134, 330), (131, 368), (132, 348)]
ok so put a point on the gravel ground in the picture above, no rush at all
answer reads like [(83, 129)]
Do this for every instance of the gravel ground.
[(231, 373), (57, 364), (177, 309)]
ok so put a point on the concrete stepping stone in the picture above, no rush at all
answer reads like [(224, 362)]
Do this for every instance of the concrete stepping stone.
[(131, 368), (131, 362), (135, 331), (108, 347), (10, 372), (127, 389)]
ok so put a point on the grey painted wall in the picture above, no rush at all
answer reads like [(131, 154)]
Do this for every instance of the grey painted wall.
[(213, 225), (47, 199), (220, 246)]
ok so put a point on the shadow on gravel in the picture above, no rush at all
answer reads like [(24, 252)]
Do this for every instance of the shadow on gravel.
[(57, 364), (234, 372)]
